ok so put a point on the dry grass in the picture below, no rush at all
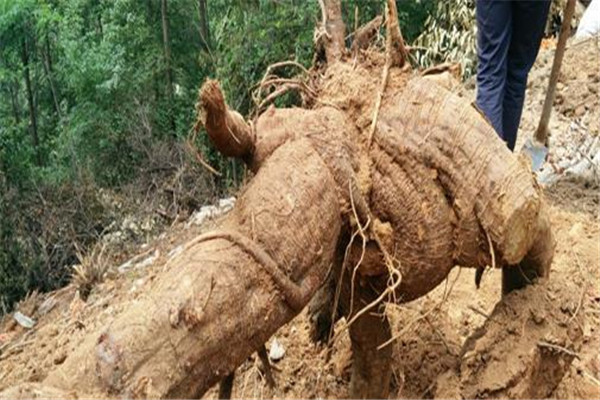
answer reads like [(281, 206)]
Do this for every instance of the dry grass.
[(91, 269)]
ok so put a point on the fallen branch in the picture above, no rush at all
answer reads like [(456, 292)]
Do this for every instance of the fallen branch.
[(196, 153)]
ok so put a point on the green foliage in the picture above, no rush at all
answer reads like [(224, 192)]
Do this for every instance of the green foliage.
[(450, 35), (259, 34), (85, 104), (14, 280)]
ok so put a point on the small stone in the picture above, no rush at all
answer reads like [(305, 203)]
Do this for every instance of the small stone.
[(277, 351), (537, 316), (60, 358), (24, 320)]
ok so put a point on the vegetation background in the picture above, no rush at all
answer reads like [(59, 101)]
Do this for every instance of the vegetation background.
[(97, 105)]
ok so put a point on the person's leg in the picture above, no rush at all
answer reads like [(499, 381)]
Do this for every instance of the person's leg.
[(493, 39), (528, 23)]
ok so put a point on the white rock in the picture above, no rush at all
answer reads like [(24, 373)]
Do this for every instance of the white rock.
[(226, 204), (148, 261), (211, 211), (126, 266), (175, 251), (589, 25), (24, 320), (277, 351)]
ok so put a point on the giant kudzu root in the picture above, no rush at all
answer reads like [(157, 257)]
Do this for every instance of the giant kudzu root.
[(440, 188), (436, 185)]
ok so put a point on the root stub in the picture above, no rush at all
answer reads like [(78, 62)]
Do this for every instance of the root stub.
[(227, 129)]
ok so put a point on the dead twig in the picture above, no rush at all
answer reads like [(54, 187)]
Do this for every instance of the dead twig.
[(273, 80), (394, 56), (491, 249), (374, 303), (361, 231), (338, 289), (556, 347), (323, 21), (292, 85), (478, 311), (288, 63), (591, 378), (480, 270), (439, 334), (384, 79), (395, 47), (196, 153), (406, 328)]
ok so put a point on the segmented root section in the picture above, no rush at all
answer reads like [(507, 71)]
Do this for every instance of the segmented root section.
[(227, 129)]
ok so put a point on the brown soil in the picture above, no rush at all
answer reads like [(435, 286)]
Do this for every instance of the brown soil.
[(432, 356)]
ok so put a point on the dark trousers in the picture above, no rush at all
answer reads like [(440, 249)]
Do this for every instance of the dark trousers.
[(508, 40)]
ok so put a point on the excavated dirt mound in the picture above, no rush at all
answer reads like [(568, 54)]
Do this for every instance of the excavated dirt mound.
[(439, 349)]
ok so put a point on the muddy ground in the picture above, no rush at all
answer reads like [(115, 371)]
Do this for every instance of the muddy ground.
[(430, 331)]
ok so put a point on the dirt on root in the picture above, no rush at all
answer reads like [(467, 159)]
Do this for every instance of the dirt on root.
[(432, 345)]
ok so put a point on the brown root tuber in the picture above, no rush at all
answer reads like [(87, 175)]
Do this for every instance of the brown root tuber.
[(400, 162)]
